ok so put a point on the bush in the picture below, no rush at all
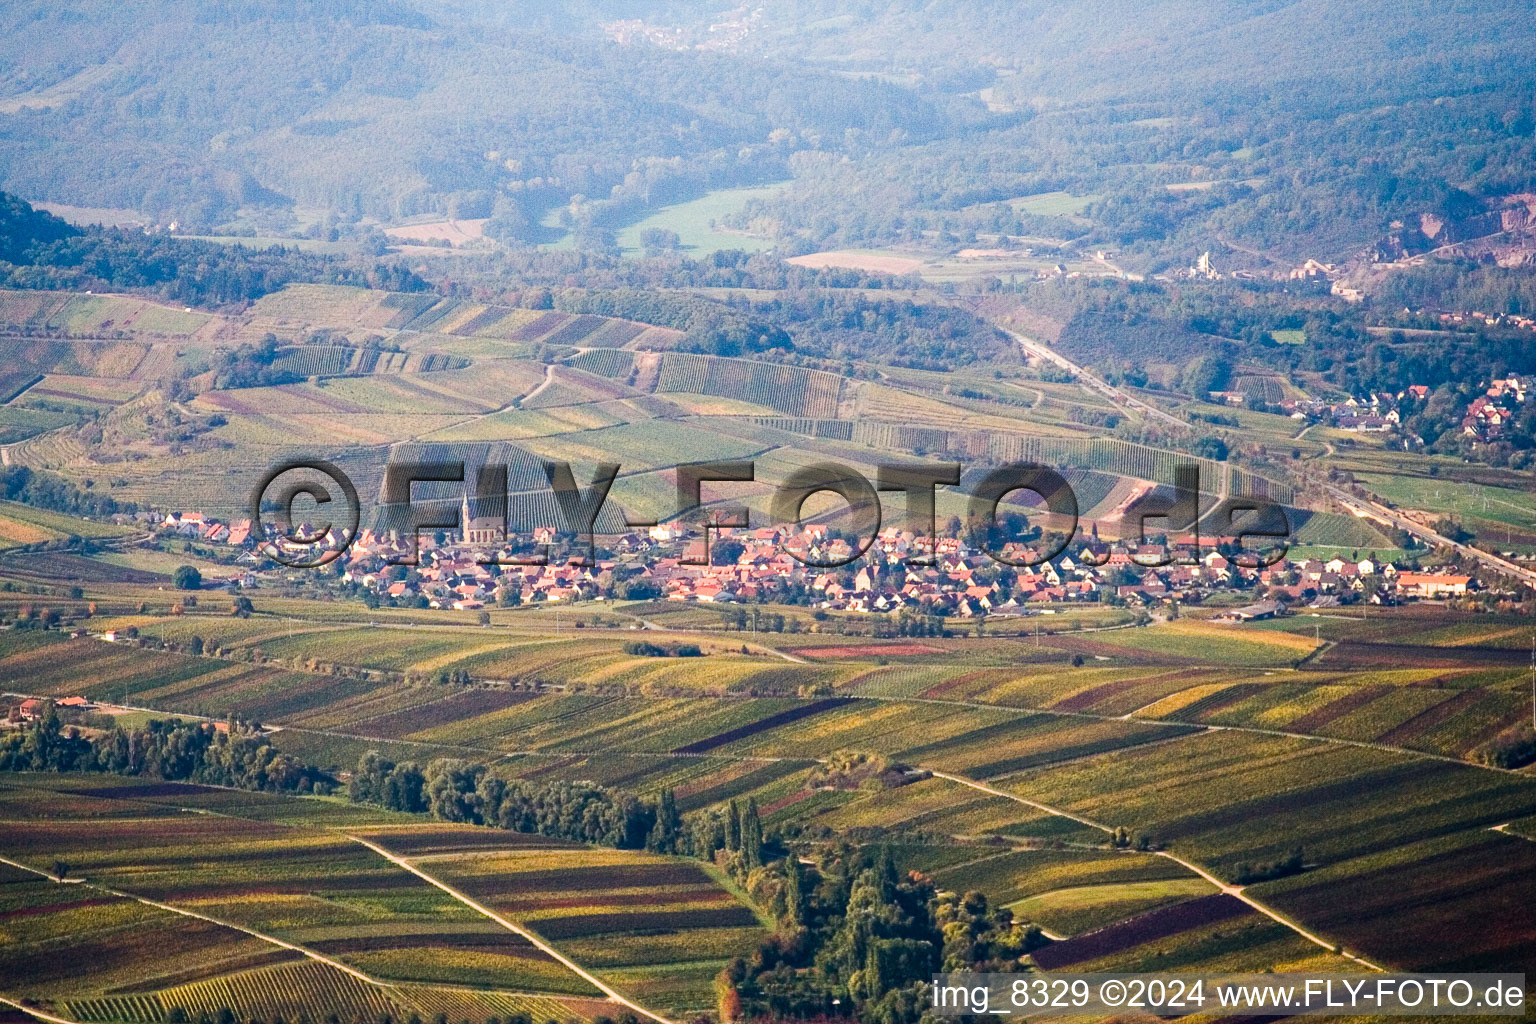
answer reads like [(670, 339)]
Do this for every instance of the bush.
[(1515, 747), (1246, 873)]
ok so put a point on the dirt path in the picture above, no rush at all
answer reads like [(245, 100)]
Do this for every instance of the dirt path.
[(1504, 830), (765, 649), (311, 954), (1235, 891), (549, 378), (39, 1014), (513, 927)]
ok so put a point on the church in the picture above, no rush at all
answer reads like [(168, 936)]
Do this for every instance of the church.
[(483, 519)]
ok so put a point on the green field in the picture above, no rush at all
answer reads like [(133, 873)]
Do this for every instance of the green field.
[(1052, 204), (694, 222), (1497, 505)]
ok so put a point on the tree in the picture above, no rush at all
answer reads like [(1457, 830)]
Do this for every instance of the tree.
[(668, 828), (751, 835), (60, 870), (242, 607), (794, 892), (654, 240), (733, 826)]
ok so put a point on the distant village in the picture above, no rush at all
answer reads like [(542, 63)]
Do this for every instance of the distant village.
[(1485, 418), (751, 566)]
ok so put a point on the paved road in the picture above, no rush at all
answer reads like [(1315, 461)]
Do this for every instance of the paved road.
[(1092, 381), (1381, 513)]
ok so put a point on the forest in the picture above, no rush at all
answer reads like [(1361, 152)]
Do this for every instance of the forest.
[(396, 110), (40, 251)]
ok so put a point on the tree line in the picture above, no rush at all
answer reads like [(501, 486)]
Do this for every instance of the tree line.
[(461, 791), (172, 749)]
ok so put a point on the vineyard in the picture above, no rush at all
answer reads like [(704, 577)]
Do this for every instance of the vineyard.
[(282, 883), (616, 911), (605, 362), (1004, 712), (790, 389), (335, 361), (1005, 753)]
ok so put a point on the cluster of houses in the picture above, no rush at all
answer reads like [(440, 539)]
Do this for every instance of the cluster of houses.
[(476, 567), (1476, 319), (1485, 419), (1374, 414), (761, 564), (196, 526), (32, 708), (1489, 413), (1370, 415)]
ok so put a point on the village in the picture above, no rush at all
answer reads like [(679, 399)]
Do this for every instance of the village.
[(1485, 419), (813, 566)]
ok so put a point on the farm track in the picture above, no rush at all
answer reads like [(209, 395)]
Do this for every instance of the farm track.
[(1235, 891), (34, 1012), (1503, 830), (513, 927), (549, 378), (182, 911)]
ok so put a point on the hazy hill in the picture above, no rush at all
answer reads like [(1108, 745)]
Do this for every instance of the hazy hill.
[(1318, 122), (191, 109)]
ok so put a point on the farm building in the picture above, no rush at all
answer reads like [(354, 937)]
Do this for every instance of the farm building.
[(26, 711), (1252, 612), (1431, 584)]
